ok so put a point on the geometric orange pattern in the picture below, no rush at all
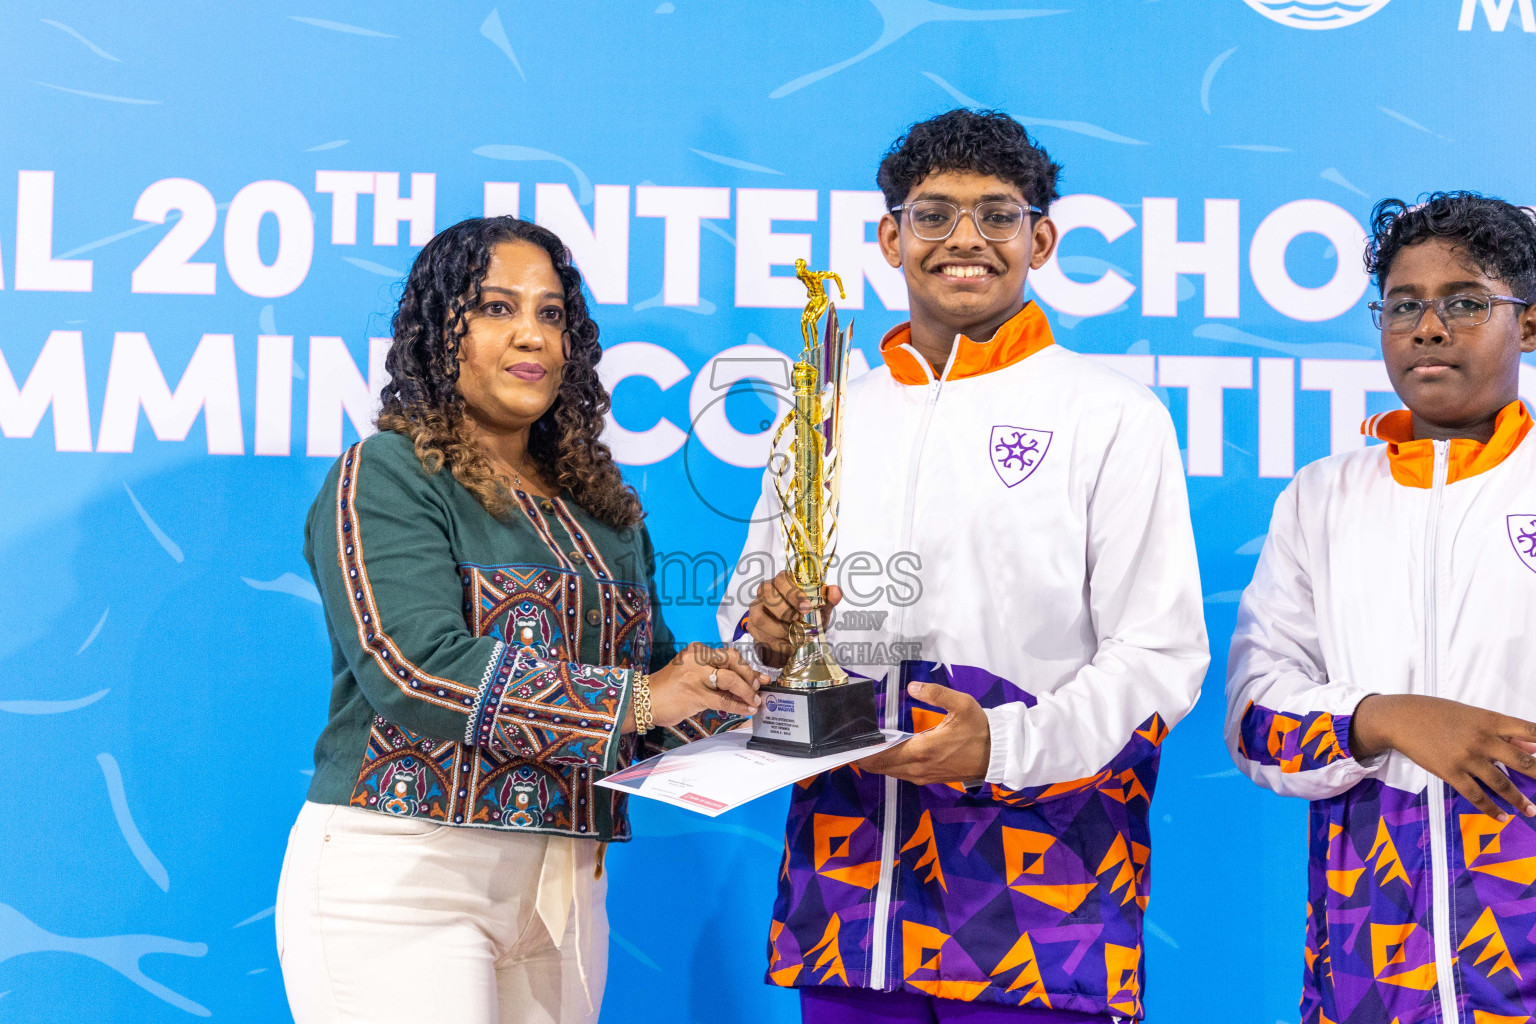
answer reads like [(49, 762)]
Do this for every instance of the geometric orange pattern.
[(1020, 898), (1370, 953)]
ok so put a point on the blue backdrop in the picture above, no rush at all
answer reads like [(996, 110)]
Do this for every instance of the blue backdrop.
[(205, 213)]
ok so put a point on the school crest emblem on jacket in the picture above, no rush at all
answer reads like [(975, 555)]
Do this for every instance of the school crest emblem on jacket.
[(1522, 534), (1016, 451)]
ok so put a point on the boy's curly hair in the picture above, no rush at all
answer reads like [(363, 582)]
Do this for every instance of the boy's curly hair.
[(981, 141), (1497, 237)]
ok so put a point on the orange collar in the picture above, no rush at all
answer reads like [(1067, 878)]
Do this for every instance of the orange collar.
[(1413, 461), (1026, 333)]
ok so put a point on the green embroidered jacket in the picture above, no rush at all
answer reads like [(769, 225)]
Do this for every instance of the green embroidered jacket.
[(482, 667)]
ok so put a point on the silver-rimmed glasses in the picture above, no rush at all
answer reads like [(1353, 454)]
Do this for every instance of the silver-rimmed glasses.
[(1466, 309), (997, 220)]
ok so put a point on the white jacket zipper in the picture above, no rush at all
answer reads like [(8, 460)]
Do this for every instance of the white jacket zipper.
[(880, 922), (1439, 858)]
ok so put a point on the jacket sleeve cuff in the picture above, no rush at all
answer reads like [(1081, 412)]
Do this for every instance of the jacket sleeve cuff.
[(1341, 732), (1002, 723), (554, 712), (700, 726), (1296, 742)]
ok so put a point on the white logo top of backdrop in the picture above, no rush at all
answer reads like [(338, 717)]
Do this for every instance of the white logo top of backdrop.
[(1317, 14)]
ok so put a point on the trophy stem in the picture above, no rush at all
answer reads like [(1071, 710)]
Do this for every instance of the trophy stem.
[(814, 708), (812, 665)]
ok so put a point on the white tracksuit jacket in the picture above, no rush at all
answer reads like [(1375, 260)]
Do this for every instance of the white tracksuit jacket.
[(1028, 511), (1402, 568)]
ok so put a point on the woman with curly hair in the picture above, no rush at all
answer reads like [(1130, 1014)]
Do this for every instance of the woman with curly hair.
[(497, 648)]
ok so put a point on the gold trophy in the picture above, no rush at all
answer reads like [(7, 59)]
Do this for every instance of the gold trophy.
[(814, 707)]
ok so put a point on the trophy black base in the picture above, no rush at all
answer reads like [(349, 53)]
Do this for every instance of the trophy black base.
[(814, 723)]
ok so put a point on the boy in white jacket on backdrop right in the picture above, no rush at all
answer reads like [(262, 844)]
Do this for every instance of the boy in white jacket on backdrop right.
[(1382, 661)]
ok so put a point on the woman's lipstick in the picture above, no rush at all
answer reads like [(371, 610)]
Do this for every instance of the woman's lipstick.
[(527, 371)]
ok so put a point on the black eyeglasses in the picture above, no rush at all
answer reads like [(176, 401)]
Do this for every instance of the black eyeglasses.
[(1468, 309), (997, 220)]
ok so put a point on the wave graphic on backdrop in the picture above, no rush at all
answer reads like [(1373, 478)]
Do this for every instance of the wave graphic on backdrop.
[(95, 632), (898, 17), (125, 823), (1317, 14), (657, 301), (171, 218), (161, 537), (1093, 131), (1210, 76), (1410, 122), (287, 583), (730, 161), (19, 936), (337, 26), (634, 951), (1299, 350), (51, 707), (99, 95), (260, 915), (1334, 175), (98, 51), (493, 30), (515, 153)]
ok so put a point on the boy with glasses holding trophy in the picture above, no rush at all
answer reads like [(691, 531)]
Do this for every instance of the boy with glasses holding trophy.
[(1043, 634), (1381, 662)]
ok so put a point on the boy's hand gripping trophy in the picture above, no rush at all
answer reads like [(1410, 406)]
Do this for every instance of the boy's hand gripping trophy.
[(814, 708)]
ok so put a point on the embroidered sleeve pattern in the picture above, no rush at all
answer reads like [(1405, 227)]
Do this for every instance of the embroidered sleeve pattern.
[(552, 712), (1294, 743), (705, 723), (412, 680)]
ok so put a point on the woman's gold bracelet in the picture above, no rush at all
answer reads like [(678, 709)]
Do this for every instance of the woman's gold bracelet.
[(644, 717)]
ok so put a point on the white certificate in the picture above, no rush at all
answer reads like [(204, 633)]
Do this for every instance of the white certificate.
[(715, 775)]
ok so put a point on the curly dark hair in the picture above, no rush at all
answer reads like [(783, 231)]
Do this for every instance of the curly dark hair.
[(1499, 238), (980, 141), (422, 399)]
